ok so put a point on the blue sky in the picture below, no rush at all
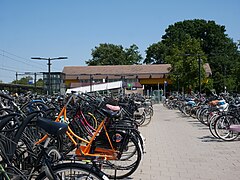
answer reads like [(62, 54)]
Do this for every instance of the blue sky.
[(72, 28)]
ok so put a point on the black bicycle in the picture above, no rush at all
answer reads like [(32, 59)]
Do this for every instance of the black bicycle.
[(14, 148)]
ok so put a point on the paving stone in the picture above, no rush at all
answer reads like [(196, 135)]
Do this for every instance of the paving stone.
[(181, 148)]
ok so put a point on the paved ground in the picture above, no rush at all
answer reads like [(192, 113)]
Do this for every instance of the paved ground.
[(181, 148)]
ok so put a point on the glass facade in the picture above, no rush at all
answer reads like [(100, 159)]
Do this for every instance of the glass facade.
[(56, 84)]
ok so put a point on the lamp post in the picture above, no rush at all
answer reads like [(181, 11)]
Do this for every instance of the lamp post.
[(49, 69)]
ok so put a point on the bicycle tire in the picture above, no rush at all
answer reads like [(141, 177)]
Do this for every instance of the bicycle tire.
[(140, 120), (204, 116), (146, 121), (74, 170), (222, 125), (34, 106), (119, 169), (212, 125)]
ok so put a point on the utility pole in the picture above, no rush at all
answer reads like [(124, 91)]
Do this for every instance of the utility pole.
[(35, 80), (49, 70), (16, 78)]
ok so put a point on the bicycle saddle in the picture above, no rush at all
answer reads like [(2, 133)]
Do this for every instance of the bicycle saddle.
[(113, 108), (110, 113), (52, 127)]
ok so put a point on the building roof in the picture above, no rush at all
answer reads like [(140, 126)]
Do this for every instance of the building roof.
[(125, 70), (114, 72)]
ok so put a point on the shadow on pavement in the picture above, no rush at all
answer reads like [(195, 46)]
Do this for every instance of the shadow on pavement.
[(209, 139)]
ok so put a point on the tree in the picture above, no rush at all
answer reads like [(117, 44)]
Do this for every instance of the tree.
[(155, 54), (39, 82), (28, 80), (133, 56), (184, 59), (220, 49), (222, 53), (23, 80), (110, 54), (236, 75)]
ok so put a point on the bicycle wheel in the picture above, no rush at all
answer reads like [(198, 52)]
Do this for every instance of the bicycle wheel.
[(148, 111), (193, 112), (147, 120), (204, 117), (126, 164), (200, 111), (34, 106), (186, 110), (140, 118), (151, 110), (222, 126), (74, 170), (139, 137), (212, 125)]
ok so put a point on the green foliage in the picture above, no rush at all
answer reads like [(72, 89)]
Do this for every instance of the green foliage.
[(110, 54), (208, 84), (198, 37), (25, 81), (235, 75), (133, 56), (155, 54), (39, 82), (184, 60)]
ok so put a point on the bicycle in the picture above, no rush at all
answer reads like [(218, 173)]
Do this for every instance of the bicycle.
[(43, 166), (100, 144), (227, 124)]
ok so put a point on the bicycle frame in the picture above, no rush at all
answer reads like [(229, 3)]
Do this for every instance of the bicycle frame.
[(84, 150)]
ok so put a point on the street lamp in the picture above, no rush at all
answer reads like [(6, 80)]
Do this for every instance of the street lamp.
[(49, 69)]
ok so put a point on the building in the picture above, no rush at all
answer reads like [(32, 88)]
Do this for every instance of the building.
[(145, 78), (56, 84)]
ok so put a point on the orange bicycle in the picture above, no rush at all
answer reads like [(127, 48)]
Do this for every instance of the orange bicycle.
[(117, 147)]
